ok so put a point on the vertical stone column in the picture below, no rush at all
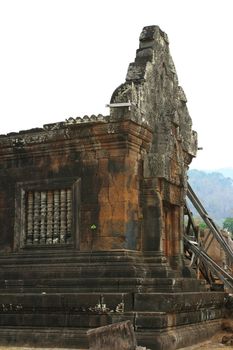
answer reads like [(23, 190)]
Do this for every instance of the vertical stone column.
[(153, 217), (172, 233), (118, 179)]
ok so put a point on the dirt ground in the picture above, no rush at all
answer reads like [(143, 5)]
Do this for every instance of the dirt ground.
[(214, 343), (30, 348)]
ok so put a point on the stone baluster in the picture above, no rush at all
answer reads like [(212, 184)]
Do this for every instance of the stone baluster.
[(56, 212), (49, 217), (43, 212), (68, 214), (62, 216), (29, 215), (36, 236)]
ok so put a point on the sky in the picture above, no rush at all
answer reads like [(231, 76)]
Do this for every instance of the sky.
[(64, 58)]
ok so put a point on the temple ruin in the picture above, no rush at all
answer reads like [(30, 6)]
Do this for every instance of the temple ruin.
[(91, 213)]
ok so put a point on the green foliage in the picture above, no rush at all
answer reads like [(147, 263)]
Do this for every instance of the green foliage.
[(228, 224), (202, 225), (199, 222)]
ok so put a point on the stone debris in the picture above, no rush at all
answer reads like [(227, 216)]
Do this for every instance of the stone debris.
[(115, 336), (227, 340)]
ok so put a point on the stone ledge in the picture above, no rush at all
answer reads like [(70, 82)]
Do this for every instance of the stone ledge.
[(175, 302), (175, 338)]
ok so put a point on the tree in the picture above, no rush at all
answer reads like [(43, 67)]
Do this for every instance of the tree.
[(228, 224), (199, 222)]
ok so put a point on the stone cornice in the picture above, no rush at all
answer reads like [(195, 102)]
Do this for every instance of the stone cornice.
[(81, 135)]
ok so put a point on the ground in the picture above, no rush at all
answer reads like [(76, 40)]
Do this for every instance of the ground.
[(214, 343)]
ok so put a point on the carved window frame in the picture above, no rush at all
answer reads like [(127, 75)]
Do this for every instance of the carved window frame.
[(46, 185)]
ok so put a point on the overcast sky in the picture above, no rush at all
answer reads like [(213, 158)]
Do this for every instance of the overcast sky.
[(62, 58)]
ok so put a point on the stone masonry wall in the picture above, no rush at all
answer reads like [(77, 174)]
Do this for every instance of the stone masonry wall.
[(101, 163)]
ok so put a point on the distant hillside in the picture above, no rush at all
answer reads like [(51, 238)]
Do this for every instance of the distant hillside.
[(215, 192), (227, 172)]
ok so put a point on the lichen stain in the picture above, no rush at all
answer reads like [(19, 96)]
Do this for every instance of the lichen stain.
[(56, 163)]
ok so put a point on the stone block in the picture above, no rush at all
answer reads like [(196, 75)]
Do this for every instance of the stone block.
[(118, 336), (177, 302)]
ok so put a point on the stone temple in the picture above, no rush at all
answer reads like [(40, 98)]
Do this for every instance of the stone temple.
[(91, 217)]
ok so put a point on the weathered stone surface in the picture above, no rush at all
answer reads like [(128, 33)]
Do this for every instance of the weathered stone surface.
[(179, 337), (116, 336), (158, 101), (108, 166), (91, 217)]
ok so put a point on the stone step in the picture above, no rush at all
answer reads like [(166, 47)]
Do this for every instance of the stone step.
[(57, 256), (72, 270), (76, 338), (55, 337), (178, 337), (79, 270), (100, 284), (178, 302), (138, 302), (12, 317), (63, 302)]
